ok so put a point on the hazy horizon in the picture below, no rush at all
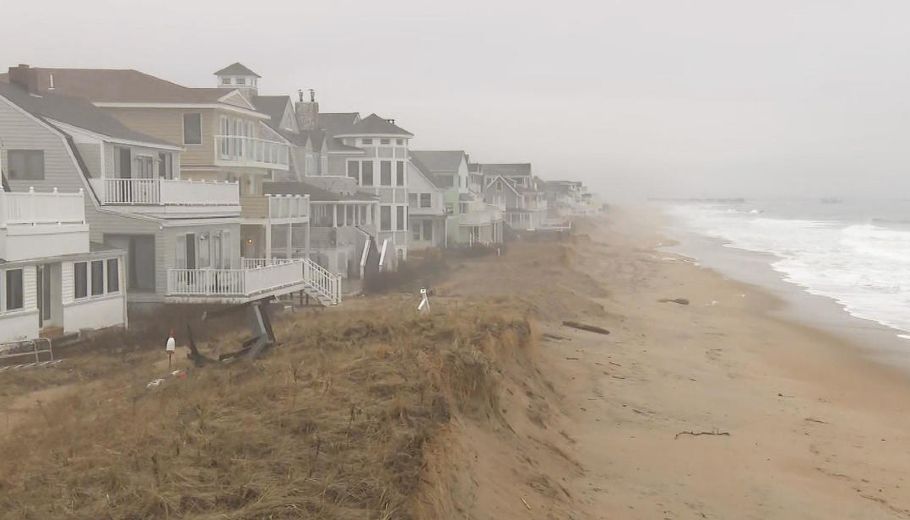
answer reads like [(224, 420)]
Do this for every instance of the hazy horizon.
[(638, 99)]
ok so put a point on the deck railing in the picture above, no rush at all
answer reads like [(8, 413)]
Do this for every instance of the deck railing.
[(250, 151), (166, 192), (322, 281), (256, 276), (33, 208)]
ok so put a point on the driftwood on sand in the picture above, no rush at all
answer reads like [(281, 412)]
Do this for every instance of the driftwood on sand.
[(696, 434), (586, 327)]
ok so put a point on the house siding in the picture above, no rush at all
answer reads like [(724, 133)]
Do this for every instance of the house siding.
[(20, 131), (167, 124)]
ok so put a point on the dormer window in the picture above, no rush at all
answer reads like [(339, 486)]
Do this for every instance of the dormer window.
[(240, 81), (366, 141)]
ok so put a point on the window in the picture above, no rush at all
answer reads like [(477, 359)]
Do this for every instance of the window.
[(383, 141), (385, 173), (401, 220), (97, 277), (145, 167), (14, 292), (80, 275), (400, 172), (113, 275), (415, 233), (385, 218), (399, 142), (428, 230), (412, 199), (25, 164), (354, 170), (165, 165), (426, 200), (366, 141), (192, 128), (240, 81), (367, 173)]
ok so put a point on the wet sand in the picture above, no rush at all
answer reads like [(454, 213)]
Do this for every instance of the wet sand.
[(785, 420)]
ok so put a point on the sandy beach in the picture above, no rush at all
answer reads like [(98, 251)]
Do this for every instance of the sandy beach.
[(719, 408)]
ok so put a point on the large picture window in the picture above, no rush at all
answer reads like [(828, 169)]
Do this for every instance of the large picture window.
[(97, 277), (399, 177), (25, 164), (385, 218), (113, 275), (366, 173), (80, 279), (402, 218), (354, 170), (192, 128), (385, 173), (14, 289)]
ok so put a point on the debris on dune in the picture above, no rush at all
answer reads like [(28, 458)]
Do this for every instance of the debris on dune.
[(681, 301)]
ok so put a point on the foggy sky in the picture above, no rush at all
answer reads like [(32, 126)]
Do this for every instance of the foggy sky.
[(637, 98)]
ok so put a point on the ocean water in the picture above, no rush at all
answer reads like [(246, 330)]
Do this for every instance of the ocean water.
[(854, 252)]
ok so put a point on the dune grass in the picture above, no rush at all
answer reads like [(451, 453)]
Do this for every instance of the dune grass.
[(330, 424)]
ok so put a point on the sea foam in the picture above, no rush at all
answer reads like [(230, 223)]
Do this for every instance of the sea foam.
[(864, 267)]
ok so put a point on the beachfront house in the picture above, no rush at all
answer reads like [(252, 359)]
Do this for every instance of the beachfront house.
[(470, 220), (53, 281), (172, 197), (513, 188), (427, 212)]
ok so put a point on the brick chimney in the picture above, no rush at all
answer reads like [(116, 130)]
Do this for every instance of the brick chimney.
[(307, 112), (25, 77)]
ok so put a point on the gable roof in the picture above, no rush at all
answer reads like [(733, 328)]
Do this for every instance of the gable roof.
[(425, 171), (236, 69), (503, 180), (272, 106), (375, 125), (440, 161), (119, 86), (507, 169), (74, 112)]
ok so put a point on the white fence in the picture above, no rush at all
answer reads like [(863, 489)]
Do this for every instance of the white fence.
[(34, 208), (256, 276), (167, 192), (251, 151)]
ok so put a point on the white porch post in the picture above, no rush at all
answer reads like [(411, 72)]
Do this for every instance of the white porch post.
[(290, 240), (306, 240), (334, 215)]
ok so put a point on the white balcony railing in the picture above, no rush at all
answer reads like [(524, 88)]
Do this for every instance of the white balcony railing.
[(240, 150), (33, 208), (255, 277), (166, 192)]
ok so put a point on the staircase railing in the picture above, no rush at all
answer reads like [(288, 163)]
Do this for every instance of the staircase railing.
[(325, 283)]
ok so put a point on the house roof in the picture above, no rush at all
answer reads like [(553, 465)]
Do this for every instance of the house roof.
[(507, 169), (338, 122), (375, 125), (74, 112), (441, 161), (434, 180), (236, 69), (272, 106), (316, 193), (120, 86)]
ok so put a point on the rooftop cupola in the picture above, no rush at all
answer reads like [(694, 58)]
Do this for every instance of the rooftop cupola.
[(238, 76)]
